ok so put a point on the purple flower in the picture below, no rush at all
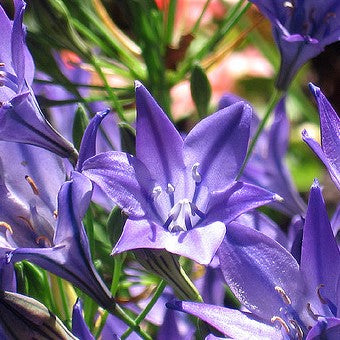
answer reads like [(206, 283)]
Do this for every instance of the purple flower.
[(329, 151), (266, 167), (34, 226), (179, 194), (301, 29), (285, 300), (21, 119)]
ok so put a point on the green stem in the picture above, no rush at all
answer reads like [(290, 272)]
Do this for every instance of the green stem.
[(276, 96), (113, 96), (160, 288), (198, 22), (52, 303), (68, 318)]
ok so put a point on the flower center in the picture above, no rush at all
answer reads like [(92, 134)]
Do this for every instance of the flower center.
[(183, 214)]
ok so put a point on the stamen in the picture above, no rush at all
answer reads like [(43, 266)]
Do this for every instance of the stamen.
[(288, 4), (7, 226), (170, 189), (281, 322), (311, 313), (297, 328), (284, 296), (2, 64), (195, 174), (323, 301), (28, 223), (157, 190), (44, 239), (278, 198), (196, 211), (32, 184), (55, 214)]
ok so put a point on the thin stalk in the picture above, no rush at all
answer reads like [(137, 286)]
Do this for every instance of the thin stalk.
[(68, 318), (170, 21), (120, 313), (198, 22), (118, 263), (113, 96), (160, 288), (52, 303), (235, 15), (276, 96)]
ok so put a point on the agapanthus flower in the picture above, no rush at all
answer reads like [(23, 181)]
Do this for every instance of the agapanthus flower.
[(266, 167), (286, 300), (329, 150), (301, 29), (179, 194), (36, 227), (21, 119)]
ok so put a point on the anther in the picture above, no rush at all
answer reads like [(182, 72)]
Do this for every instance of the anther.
[(284, 296), (311, 313), (44, 239), (2, 64), (157, 190), (28, 223), (32, 184), (196, 176), (297, 328), (288, 4), (278, 198), (323, 301), (55, 214), (170, 189), (281, 322), (7, 226)]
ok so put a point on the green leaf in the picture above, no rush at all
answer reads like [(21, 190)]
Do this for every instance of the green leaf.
[(128, 138), (115, 224), (200, 90)]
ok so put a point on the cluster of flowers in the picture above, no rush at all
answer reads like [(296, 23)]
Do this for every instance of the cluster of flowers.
[(187, 196)]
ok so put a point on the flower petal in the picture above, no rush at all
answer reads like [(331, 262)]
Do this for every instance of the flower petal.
[(88, 143), (158, 144), (253, 265), (79, 326), (238, 198), (198, 244), (70, 258), (320, 258), (231, 322), (219, 144), (123, 178), (325, 328)]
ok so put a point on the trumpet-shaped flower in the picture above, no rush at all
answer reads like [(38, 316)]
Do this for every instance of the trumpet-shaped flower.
[(301, 29), (34, 225), (179, 194), (286, 300), (21, 119), (329, 151)]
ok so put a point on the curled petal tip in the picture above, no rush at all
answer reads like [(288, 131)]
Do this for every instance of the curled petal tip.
[(103, 113), (137, 84), (278, 198), (177, 305), (316, 184), (314, 89)]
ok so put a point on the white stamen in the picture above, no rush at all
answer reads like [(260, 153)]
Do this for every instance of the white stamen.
[(157, 190), (170, 189), (195, 174), (288, 4), (278, 198)]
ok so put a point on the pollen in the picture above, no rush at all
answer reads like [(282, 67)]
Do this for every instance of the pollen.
[(32, 184), (2, 64), (288, 4), (55, 214), (7, 226)]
